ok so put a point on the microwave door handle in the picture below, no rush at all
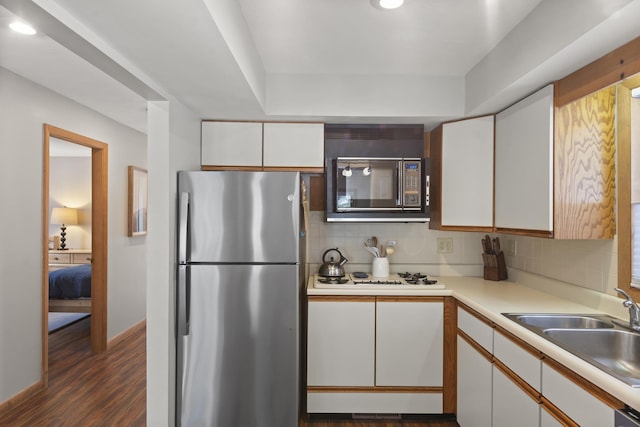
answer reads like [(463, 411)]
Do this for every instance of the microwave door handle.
[(399, 201)]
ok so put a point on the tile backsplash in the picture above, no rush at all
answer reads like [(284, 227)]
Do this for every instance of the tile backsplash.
[(591, 264)]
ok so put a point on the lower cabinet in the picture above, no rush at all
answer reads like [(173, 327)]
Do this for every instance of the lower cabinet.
[(474, 386), (511, 405), (375, 354), (504, 383), (576, 402)]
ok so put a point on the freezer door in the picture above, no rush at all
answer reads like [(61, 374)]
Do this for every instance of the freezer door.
[(235, 216), (239, 361)]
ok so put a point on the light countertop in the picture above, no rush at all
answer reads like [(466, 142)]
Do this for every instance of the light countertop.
[(524, 293)]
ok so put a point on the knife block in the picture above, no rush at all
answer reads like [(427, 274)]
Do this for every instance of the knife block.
[(495, 266)]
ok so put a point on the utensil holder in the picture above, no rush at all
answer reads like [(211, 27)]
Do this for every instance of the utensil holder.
[(380, 267)]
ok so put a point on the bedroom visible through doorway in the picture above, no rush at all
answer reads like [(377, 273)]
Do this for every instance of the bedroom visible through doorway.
[(74, 232)]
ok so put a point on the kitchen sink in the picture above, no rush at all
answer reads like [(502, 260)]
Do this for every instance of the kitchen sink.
[(563, 321), (599, 339), (613, 350)]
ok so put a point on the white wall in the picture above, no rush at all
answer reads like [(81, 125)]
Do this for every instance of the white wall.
[(70, 185), (174, 144), (590, 264), (24, 108)]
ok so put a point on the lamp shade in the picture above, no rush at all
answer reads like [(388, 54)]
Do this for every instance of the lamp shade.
[(66, 216)]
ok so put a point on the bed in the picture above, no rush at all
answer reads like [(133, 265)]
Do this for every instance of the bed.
[(70, 289)]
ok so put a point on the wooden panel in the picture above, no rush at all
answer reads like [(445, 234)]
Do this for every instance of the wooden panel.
[(584, 175), (317, 193), (607, 70), (435, 190), (624, 190), (449, 380)]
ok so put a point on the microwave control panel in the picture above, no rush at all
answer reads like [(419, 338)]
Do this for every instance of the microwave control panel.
[(411, 177)]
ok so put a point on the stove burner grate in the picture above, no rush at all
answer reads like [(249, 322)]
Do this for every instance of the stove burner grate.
[(377, 282), (417, 279), (333, 280)]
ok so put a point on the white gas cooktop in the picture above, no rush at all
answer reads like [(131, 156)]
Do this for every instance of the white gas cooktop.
[(405, 281)]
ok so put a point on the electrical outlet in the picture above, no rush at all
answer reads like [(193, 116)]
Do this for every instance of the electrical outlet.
[(511, 248), (445, 245)]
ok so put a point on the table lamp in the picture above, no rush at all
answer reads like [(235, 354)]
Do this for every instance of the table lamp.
[(64, 216)]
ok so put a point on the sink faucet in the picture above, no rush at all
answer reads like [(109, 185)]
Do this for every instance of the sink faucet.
[(634, 310)]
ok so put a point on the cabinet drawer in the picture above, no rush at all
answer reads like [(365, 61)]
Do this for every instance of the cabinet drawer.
[(59, 258), (519, 360), (81, 258), (478, 330), (374, 403)]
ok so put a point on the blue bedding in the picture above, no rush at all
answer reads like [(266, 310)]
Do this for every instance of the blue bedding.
[(70, 283)]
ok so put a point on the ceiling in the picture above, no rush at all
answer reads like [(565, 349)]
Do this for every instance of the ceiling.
[(303, 60)]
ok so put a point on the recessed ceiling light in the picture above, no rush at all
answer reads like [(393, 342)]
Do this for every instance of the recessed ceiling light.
[(390, 4), (22, 28)]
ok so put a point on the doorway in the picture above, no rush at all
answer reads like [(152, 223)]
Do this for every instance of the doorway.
[(99, 191)]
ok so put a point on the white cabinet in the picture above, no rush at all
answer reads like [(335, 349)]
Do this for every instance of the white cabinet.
[(409, 343), (523, 363), (467, 172), (255, 145), (474, 387), (375, 355), (231, 143), (511, 405), (581, 406), (294, 144), (476, 329), (548, 420), (341, 343), (524, 164)]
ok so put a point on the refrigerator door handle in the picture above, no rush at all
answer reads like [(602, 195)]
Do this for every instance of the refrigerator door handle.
[(183, 302), (183, 222)]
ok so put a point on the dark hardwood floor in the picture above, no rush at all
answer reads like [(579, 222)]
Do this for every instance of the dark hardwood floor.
[(87, 389), (109, 390)]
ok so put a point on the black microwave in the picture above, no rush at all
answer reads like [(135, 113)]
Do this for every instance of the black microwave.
[(376, 173), (364, 184)]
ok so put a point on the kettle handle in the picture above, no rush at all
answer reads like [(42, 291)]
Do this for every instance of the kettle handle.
[(330, 250)]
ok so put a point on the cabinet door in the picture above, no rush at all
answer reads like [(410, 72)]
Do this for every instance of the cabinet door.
[(409, 343), (548, 420), (512, 406), (474, 387), (294, 144), (231, 144), (582, 407), (340, 347), (467, 172), (524, 164), (523, 363)]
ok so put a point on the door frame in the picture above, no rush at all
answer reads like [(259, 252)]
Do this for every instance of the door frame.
[(99, 238)]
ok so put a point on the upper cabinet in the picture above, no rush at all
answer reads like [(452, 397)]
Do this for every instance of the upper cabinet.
[(524, 165), (232, 144), (294, 144), (260, 146), (462, 175), (555, 167)]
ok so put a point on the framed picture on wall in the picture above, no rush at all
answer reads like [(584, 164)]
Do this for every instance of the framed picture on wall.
[(137, 201)]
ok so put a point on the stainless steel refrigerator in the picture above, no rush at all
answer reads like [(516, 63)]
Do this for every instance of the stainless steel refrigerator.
[(238, 297)]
